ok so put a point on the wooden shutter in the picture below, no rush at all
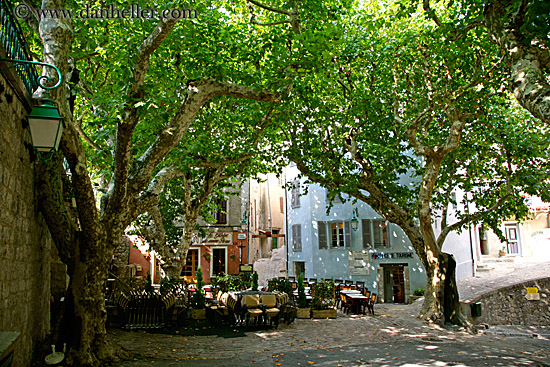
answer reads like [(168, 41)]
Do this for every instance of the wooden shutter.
[(322, 228), (367, 233)]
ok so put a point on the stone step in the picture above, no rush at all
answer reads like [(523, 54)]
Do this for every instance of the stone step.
[(493, 260), (484, 268)]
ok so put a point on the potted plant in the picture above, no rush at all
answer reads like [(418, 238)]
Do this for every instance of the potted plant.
[(304, 312), (323, 302), (232, 256), (502, 251), (198, 311), (207, 256), (254, 281), (417, 294)]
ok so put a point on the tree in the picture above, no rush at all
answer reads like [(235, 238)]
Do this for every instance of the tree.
[(128, 116), (136, 89), (384, 124), (520, 28), (228, 145)]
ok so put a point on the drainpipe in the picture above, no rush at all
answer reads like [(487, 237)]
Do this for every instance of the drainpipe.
[(286, 220)]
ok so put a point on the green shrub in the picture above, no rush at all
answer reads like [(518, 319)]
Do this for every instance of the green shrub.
[(323, 295), (198, 300), (254, 281), (419, 292), (281, 285)]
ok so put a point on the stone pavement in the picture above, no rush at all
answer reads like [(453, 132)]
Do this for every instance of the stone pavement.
[(504, 274), (393, 337)]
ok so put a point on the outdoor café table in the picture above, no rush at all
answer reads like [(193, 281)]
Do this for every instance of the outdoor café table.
[(357, 301), (350, 291)]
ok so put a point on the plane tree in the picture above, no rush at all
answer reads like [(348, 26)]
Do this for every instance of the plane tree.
[(136, 87), (135, 97), (229, 145), (400, 117), (520, 29)]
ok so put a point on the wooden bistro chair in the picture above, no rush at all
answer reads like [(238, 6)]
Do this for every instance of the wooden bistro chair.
[(371, 302), (268, 302), (360, 284), (345, 304), (251, 308)]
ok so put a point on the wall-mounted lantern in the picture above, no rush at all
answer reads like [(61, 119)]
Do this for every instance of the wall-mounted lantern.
[(45, 123)]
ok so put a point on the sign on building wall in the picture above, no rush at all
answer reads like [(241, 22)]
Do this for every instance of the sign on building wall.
[(359, 262), (214, 238), (392, 255)]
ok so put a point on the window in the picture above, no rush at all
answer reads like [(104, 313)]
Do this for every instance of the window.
[(295, 194), (297, 237), (339, 234), (375, 233), (220, 212)]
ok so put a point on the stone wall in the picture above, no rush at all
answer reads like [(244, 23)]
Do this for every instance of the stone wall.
[(509, 306), (25, 241)]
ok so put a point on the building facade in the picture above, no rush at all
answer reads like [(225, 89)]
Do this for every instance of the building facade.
[(224, 244), (323, 245)]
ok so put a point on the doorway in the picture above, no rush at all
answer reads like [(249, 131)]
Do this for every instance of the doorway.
[(394, 283), (189, 271), (512, 235), (218, 261)]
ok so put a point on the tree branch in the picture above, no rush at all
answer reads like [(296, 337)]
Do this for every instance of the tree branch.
[(198, 94)]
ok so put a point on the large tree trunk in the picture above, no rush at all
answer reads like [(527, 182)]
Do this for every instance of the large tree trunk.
[(441, 303), (88, 291), (174, 264)]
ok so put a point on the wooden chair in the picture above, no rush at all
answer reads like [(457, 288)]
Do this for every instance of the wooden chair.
[(360, 284), (338, 281), (251, 308), (353, 287), (312, 280), (348, 282), (365, 305), (371, 302), (292, 279), (344, 304), (268, 303)]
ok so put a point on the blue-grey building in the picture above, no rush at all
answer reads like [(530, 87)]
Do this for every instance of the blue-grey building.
[(329, 245)]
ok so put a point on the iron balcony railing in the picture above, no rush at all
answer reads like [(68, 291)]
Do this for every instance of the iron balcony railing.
[(11, 39)]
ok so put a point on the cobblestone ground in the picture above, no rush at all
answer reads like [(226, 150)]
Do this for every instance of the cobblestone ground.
[(393, 337)]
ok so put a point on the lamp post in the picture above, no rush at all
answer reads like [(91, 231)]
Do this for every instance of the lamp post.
[(244, 227), (45, 123), (354, 220)]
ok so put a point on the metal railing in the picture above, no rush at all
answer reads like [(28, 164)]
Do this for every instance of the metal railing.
[(11, 39)]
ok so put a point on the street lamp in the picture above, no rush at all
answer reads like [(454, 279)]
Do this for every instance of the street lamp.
[(354, 220), (46, 129), (45, 123)]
